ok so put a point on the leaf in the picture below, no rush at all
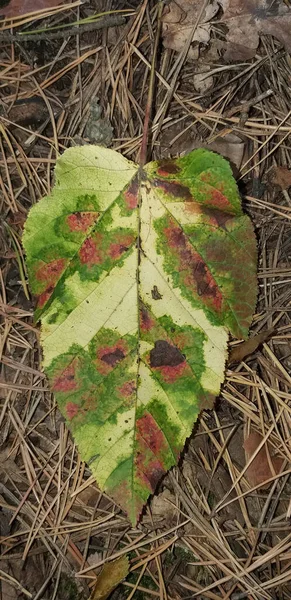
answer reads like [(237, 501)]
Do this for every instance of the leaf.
[(248, 347), (112, 574), (281, 176), (16, 8), (246, 19), (180, 17), (139, 276), (265, 465)]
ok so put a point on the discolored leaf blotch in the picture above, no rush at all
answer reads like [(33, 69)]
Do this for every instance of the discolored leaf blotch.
[(139, 276)]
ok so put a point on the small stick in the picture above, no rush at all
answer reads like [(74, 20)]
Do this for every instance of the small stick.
[(109, 21)]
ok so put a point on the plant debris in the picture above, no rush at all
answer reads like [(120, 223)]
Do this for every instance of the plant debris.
[(265, 465), (15, 8), (247, 19)]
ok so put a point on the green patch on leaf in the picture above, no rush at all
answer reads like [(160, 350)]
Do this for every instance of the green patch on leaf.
[(139, 275)]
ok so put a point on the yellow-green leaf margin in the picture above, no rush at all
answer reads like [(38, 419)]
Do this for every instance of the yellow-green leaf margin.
[(140, 274)]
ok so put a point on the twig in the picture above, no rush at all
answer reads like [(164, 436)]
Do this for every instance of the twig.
[(106, 22)]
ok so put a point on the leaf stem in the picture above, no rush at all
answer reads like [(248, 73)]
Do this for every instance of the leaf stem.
[(144, 142)]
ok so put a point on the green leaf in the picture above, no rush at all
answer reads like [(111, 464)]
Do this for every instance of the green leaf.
[(140, 275)]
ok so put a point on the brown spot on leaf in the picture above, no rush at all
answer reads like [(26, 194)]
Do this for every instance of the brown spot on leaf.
[(108, 357), (155, 293), (217, 217), (112, 358), (194, 271), (174, 188), (166, 168), (165, 355)]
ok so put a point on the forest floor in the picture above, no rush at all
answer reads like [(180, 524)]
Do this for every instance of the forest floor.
[(216, 529)]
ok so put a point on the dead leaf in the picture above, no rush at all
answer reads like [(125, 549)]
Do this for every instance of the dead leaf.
[(202, 81), (112, 574), (16, 8), (281, 176), (265, 465), (163, 506), (230, 145), (239, 352), (9, 467), (180, 17), (247, 19)]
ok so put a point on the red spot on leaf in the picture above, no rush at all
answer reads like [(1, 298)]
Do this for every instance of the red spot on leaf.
[(171, 374), (131, 195), (66, 381), (127, 389), (194, 271), (149, 472), (81, 221), (146, 322), (50, 272), (45, 296), (89, 253), (121, 245), (148, 432), (216, 195), (151, 446), (71, 409)]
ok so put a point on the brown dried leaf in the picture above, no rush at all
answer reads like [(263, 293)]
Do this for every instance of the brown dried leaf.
[(163, 506), (16, 8), (282, 177), (239, 352), (112, 574), (180, 16), (9, 468), (246, 19), (265, 465)]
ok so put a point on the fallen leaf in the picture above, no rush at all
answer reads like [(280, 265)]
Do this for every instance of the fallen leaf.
[(263, 467), (247, 19), (9, 467), (230, 145), (112, 574), (179, 18), (16, 8), (281, 176), (240, 351), (136, 275), (29, 111), (202, 81), (164, 506)]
